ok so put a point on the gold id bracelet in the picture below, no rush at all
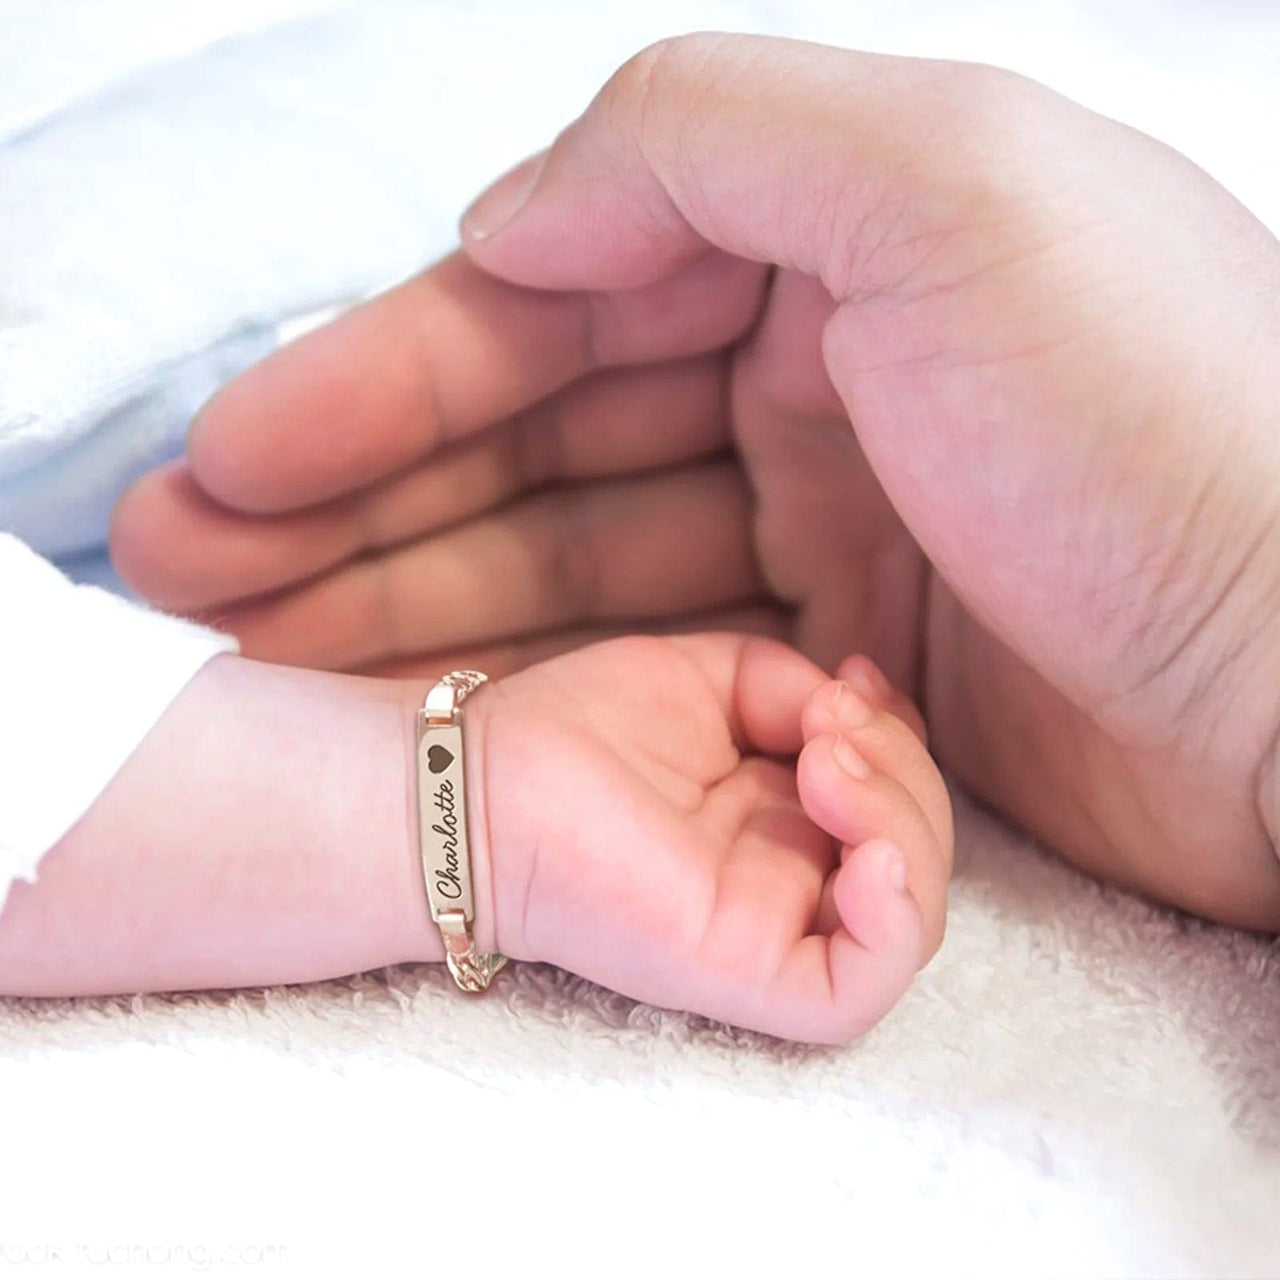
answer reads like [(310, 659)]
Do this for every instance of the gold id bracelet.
[(442, 828)]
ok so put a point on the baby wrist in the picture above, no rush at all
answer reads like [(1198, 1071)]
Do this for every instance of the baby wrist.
[(451, 799)]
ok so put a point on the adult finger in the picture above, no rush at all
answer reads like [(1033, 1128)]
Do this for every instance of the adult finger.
[(183, 550), (640, 548), (990, 249), (780, 151), (443, 355), (836, 548)]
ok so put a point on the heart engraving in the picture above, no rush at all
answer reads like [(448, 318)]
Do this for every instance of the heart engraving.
[(439, 758)]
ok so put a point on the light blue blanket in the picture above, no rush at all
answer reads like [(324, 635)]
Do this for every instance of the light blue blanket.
[(160, 213)]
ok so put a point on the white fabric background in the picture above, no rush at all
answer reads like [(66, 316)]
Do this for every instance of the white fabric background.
[(1080, 1085), (84, 676)]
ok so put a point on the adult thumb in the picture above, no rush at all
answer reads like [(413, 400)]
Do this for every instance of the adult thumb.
[(778, 151)]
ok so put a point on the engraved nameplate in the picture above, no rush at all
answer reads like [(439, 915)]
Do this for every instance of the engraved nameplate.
[(442, 820)]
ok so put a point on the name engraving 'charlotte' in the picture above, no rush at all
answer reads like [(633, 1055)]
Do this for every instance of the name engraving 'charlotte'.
[(448, 882)]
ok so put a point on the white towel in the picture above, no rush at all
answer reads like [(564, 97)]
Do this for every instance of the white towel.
[(1079, 1086)]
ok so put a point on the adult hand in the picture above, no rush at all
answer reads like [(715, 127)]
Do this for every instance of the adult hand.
[(998, 381)]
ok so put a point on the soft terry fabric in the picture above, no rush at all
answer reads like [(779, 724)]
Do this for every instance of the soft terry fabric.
[(1079, 1086)]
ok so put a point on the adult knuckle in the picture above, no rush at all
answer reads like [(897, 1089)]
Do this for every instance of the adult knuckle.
[(981, 100), (973, 148), (631, 87), (995, 121), (534, 448), (664, 62), (568, 563), (658, 85)]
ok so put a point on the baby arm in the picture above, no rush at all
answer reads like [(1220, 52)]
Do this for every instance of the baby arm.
[(258, 835), (639, 816)]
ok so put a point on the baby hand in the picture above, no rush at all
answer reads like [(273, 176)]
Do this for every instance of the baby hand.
[(638, 815), (650, 827)]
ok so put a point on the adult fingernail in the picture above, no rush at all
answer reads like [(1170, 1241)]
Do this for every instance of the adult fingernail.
[(849, 708), (849, 760), (499, 203)]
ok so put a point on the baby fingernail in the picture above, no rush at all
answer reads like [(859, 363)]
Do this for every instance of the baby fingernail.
[(896, 869), (848, 708), (849, 760)]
